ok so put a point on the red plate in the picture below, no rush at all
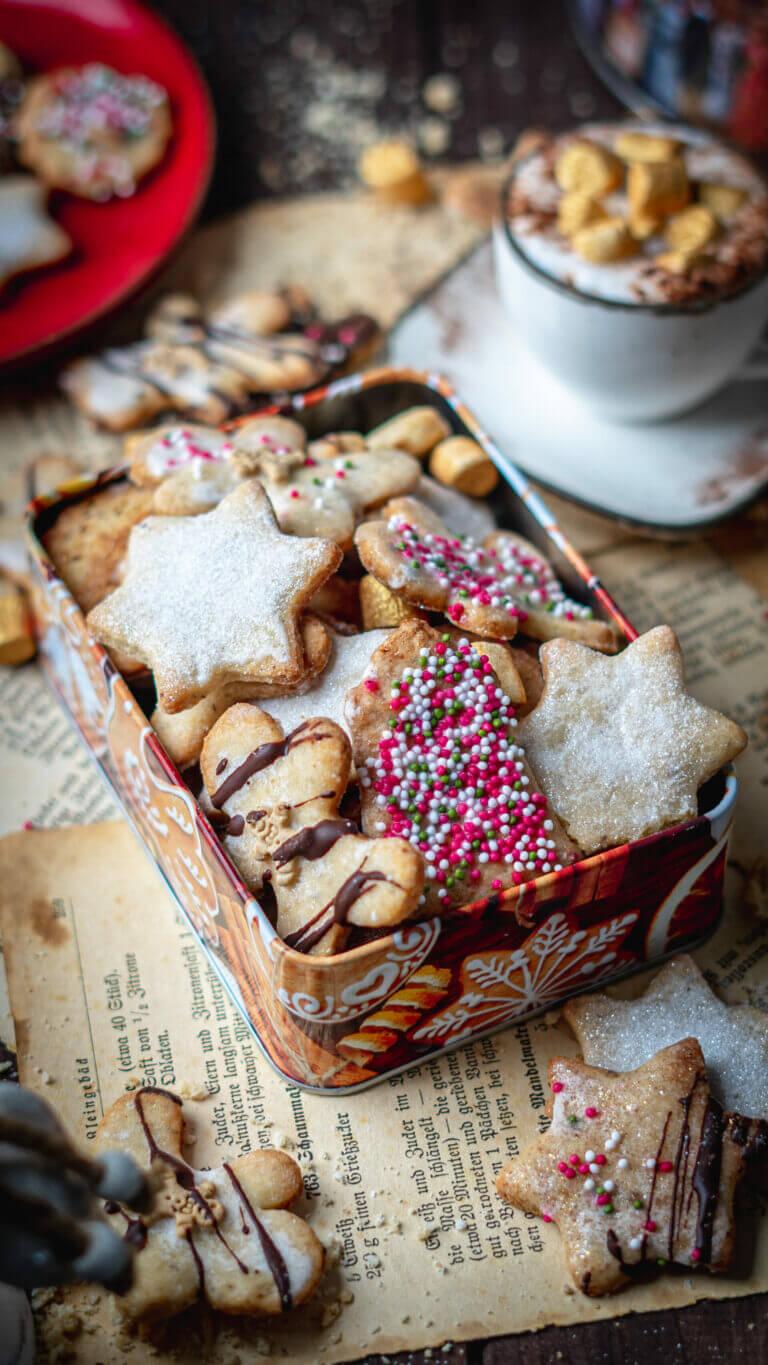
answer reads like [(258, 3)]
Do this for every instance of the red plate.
[(120, 244)]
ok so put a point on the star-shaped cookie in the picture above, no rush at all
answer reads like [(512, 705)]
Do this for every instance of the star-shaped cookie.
[(638, 1168), (619, 746), (224, 1235), (679, 1003), (214, 599)]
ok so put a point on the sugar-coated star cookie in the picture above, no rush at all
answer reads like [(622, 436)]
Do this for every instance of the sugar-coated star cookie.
[(439, 764), (679, 1003), (325, 493), (91, 130), (280, 794), (214, 599), (224, 1235), (327, 694), (494, 588), (29, 238), (619, 746), (638, 1169), (181, 733)]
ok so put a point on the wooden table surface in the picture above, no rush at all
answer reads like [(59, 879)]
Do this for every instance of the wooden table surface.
[(299, 86)]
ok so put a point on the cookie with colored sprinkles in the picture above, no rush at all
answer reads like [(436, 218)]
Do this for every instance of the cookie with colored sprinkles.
[(92, 130), (223, 1235), (276, 799), (214, 599), (639, 1169), (680, 1003), (494, 587), (619, 746), (439, 764)]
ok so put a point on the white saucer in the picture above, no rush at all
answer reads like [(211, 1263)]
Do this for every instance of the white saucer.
[(674, 476)]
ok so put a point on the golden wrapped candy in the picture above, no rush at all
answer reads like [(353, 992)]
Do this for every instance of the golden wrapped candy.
[(17, 635), (380, 607), (393, 171), (657, 188), (416, 431), (692, 229), (576, 210), (605, 242), (722, 200), (645, 147), (679, 262), (588, 168), (463, 464)]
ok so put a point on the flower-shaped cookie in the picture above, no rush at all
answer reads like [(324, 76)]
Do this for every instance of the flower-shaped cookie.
[(439, 764), (280, 795), (638, 1169), (619, 746), (321, 490), (496, 587), (214, 599), (224, 1234)]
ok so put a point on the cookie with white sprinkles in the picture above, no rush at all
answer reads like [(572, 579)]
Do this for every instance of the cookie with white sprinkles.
[(494, 587), (439, 764), (639, 1169)]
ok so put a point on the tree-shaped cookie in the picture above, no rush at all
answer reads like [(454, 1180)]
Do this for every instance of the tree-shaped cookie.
[(494, 587), (280, 795), (214, 599), (619, 746), (439, 764), (323, 489), (679, 1003), (638, 1169), (224, 1235)]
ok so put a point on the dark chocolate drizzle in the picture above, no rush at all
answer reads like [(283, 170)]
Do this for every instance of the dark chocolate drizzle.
[(652, 1193), (751, 1135), (277, 1267), (614, 1246), (337, 910), (258, 760), (314, 841), (235, 826), (706, 1175)]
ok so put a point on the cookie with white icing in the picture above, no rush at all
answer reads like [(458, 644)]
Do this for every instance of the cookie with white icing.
[(29, 237)]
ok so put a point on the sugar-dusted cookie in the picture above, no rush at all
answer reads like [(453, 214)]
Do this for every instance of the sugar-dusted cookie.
[(93, 131), (494, 588), (29, 238), (326, 696), (618, 744), (181, 733), (325, 494), (638, 1169), (439, 764), (224, 1235), (214, 599), (679, 1003), (280, 795)]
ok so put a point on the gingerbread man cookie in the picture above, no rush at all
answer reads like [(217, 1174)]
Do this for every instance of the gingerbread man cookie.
[(494, 588), (638, 1169), (214, 599), (619, 746), (93, 131), (224, 1235), (279, 799), (439, 764)]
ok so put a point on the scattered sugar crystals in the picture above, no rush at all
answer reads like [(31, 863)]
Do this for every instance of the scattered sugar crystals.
[(451, 779), (508, 576)]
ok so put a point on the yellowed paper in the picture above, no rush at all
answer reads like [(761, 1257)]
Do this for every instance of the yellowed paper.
[(109, 990)]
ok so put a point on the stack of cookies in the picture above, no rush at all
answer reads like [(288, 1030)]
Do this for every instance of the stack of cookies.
[(396, 707)]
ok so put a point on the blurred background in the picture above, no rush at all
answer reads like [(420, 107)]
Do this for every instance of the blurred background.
[(302, 86)]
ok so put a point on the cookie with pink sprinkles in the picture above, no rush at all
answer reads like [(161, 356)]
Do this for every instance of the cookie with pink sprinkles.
[(496, 587), (639, 1169), (438, 764)]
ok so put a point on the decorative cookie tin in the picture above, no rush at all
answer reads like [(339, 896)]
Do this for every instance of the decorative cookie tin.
[(346, 1021)]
